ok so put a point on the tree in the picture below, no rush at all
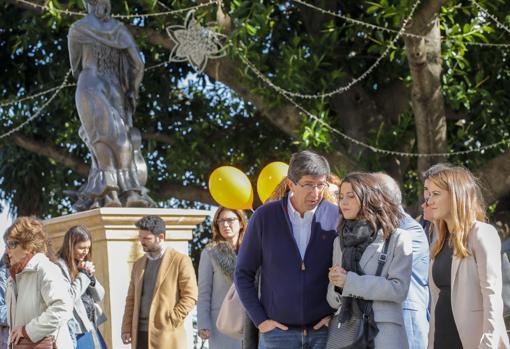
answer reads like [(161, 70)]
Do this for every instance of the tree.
[(434, 92)]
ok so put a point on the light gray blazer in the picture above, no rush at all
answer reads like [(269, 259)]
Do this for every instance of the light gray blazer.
[(77, 288), (388, 291), (213, 285)]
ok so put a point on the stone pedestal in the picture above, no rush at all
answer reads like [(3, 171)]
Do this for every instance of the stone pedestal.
[(115, 248)]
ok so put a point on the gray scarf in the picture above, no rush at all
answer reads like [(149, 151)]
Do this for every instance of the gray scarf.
[(225, 257)]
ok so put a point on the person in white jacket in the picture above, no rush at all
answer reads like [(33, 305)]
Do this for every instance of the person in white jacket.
[(38, 302)]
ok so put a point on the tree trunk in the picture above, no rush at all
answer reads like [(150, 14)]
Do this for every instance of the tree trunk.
[(424, 56)]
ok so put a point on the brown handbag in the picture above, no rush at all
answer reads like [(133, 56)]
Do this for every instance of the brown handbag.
[(26, 343)]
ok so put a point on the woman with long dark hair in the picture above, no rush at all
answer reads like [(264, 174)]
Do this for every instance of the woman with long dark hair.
[(215, 274), (465, 274), (78, 269), (369, 226)]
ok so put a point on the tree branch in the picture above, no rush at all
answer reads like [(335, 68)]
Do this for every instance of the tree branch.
[(393, 99), (166, 189), (424, 57), (228, 71), (495, 177), (285, 117), (159, 137), (427, 13), (181, 192), (51, 151)]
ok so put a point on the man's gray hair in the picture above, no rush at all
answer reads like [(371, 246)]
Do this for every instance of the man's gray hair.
[(390, 187), (307, 163), (435, 169)]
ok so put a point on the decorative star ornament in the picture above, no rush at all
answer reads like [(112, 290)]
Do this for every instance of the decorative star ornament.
[(194, 43)]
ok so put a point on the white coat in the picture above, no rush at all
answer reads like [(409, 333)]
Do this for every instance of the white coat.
[(40, 301)]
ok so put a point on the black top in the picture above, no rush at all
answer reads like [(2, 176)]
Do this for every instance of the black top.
[(446, 335)]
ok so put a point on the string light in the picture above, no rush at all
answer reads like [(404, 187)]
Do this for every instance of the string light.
[(168, 13), (260, 75), (42, 93), (36, 114), (57, 90), (491, 16), (393, 31), (34, 96), (284, 93), (143, 15), (347, 19), (354, 81), (47, 8)]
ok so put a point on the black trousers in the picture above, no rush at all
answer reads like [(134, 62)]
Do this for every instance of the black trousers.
[(142, 342)]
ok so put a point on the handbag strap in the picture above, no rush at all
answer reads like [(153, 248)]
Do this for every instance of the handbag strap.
[(382, 257)]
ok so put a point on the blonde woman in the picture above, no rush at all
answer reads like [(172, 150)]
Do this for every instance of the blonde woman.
[(215, 274), (465, 273)]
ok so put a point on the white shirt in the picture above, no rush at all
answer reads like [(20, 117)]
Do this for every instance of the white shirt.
[(301, 226)]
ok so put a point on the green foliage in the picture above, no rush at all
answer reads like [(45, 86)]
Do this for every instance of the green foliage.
[(206, 124)]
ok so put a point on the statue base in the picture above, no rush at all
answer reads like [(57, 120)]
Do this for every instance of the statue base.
[(115, 248)]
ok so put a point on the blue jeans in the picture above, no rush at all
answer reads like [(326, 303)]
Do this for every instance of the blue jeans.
[(91, 340), (417, 328), (294, 339)]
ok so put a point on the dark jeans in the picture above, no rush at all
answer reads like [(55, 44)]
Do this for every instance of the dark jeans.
[(294, 339), (142, 340)]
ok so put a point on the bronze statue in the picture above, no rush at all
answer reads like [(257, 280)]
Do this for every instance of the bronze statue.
[(107, 64)]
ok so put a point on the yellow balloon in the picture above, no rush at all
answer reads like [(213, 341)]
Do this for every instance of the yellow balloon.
[(269, 178), (231, 188)]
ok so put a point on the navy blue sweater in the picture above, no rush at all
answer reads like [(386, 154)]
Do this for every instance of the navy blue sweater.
[(293, 290)]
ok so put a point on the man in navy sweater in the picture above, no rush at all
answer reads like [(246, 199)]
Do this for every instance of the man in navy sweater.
[(291, 241)]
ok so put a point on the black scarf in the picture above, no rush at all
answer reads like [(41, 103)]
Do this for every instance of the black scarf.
[(354, 239), (355, 236)]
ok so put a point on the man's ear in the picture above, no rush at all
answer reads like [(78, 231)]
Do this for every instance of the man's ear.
[(161, 237), (291, 185)]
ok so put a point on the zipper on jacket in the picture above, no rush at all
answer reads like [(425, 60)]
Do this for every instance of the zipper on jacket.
[(303, 266)]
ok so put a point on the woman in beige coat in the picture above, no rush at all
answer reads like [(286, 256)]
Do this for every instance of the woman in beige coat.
[(38, 302), (465, 273)]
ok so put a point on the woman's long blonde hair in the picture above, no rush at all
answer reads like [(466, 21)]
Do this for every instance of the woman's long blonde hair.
[(466, 207)]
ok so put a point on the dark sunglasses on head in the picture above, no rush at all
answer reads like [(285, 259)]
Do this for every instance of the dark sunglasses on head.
[(11, 244)]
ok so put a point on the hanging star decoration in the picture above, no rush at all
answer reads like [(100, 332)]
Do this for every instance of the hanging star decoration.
[(194, 43)]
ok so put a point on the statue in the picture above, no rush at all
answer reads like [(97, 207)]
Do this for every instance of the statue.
[(107, 64)]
